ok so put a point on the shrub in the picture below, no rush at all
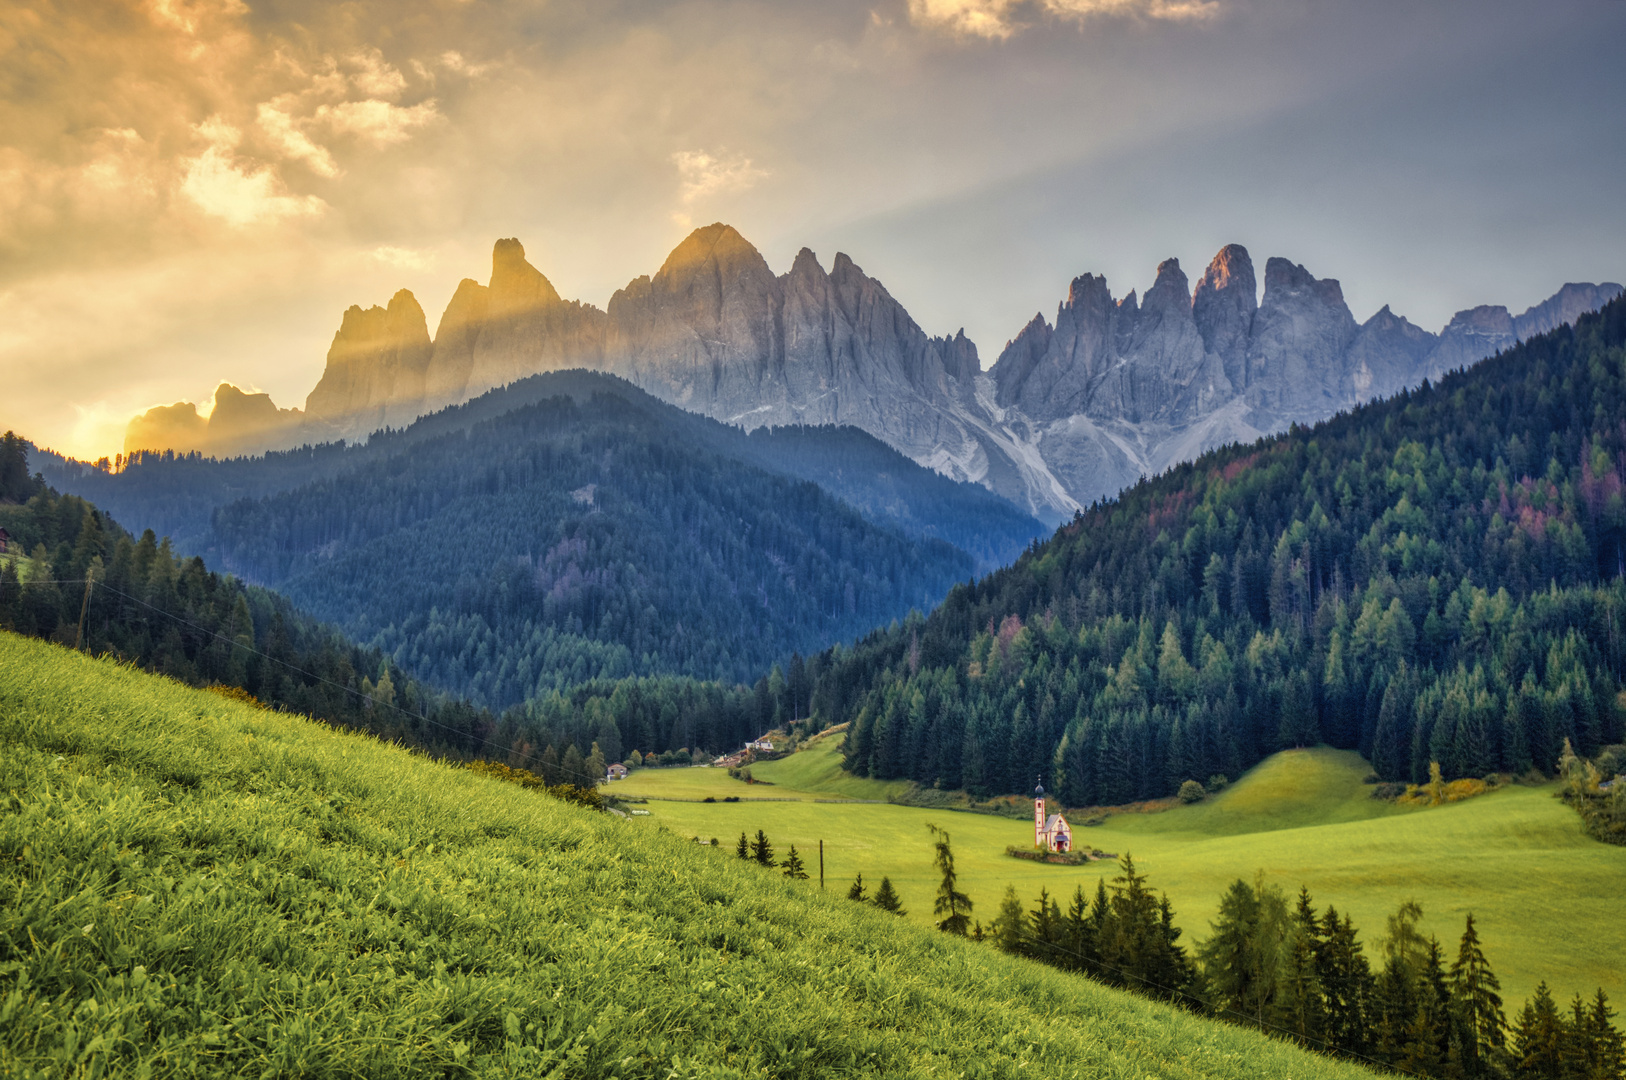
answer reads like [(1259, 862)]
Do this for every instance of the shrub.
[(1218, 783), (1191, 792)]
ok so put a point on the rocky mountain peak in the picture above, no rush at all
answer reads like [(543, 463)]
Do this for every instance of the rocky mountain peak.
[(716, 249), (516, 285), (1223, 307), (1170, 292), (1230, 272)]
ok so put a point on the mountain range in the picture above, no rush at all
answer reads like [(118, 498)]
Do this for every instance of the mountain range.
[(1072, 410)]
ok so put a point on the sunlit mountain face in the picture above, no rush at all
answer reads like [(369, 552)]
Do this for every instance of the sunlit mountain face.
[(190, 192)]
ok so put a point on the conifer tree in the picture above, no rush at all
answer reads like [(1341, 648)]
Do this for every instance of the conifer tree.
[(793, 866), (886, 898), (743, 848), (856, 892), (1304, 1006), (1007, 929), (953, 905), (1477, 1004), (761, 849), (1044, 928), (1538, 1039)]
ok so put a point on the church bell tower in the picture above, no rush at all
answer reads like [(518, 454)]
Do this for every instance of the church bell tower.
[(1038, 815)]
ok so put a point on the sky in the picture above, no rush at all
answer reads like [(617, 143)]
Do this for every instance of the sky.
[(193, 191)]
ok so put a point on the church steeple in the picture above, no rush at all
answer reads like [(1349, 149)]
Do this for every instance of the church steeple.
[(1038, 814)]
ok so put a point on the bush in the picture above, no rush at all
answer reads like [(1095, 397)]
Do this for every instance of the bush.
[(1218, 783), (1191, 792)]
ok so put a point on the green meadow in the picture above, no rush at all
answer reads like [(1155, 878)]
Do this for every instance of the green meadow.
[(1548, 900), (190, 886)]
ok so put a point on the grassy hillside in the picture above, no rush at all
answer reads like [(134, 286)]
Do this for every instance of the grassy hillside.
[(814, 773), (1303, 817), (189, 886)]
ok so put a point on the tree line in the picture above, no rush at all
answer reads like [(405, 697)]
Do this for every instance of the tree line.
[(1435, 577), (87, 583), (1297, 972)]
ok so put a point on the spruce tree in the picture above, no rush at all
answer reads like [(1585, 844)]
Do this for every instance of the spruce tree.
[(953, 905), (1304, 1006), (1007, 930), (1538, 1039), (1478, 1005), (761, 849), (743, 848), (886, 898), (856, 892), (793, 866)]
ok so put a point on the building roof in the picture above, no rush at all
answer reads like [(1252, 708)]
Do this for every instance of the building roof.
[(1054, 820)]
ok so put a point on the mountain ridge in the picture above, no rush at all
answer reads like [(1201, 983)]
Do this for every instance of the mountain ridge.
[(1070, 412)]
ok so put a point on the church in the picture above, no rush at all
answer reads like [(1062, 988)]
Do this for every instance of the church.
[(1051, 833)]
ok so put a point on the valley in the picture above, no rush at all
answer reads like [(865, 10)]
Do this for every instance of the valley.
[(1302, 817)]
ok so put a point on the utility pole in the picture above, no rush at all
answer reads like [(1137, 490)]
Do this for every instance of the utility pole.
[(84, 606)]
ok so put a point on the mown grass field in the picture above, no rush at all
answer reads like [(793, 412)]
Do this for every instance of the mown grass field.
[(1548, 900), (191, 887)]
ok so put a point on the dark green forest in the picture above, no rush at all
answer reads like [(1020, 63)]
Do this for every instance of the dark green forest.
[(1435, 577), (569, 541), (173, 616), (1291, 970), (177, 495)]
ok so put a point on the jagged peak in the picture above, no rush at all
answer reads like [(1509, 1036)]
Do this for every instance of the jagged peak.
[(515, 283), (1086, 285), (806, 264), (1285, 276), (715, 243), (1170, 290), (1230, 271)]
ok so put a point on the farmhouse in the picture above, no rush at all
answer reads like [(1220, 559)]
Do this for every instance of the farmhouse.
[(617, 771), (1051, 833), (4, 537)]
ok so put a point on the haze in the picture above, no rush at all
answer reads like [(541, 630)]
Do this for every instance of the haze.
[(193, 192)]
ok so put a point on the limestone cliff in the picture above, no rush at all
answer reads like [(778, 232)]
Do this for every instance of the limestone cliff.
[(1072, 410)]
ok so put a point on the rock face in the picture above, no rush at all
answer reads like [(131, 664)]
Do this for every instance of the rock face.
[(1071, 411), (239, 423)]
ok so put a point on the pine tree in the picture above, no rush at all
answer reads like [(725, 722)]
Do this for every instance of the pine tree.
[(1477, 1004), (1007, 929), (793, 866), (1304, 1006), (573, 769), (761, 849), (856, 892), (953, 905), (743, 849), (1044, 928), (1538, 1039), (886, 898)]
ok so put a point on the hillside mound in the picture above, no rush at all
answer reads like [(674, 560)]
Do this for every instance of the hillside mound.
[(190, 886)]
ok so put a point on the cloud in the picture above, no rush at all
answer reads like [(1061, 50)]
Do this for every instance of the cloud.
[(373, 76), (402, 257), (1000, 19), (378, 122), (282, 131), (703, 174), (225, 186)]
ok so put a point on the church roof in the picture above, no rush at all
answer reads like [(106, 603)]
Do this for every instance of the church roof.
[(1053, 821)]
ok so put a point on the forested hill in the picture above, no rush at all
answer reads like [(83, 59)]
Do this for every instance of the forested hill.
[(177, 496), (572, 540), (1433, 577), (174, 616)]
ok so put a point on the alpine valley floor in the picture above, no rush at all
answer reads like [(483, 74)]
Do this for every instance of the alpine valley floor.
[(1547, 898), (190, 886)]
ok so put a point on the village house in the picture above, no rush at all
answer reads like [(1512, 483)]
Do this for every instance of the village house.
[(760, 744), (617, 771), (5, 537), (1051, 833)]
